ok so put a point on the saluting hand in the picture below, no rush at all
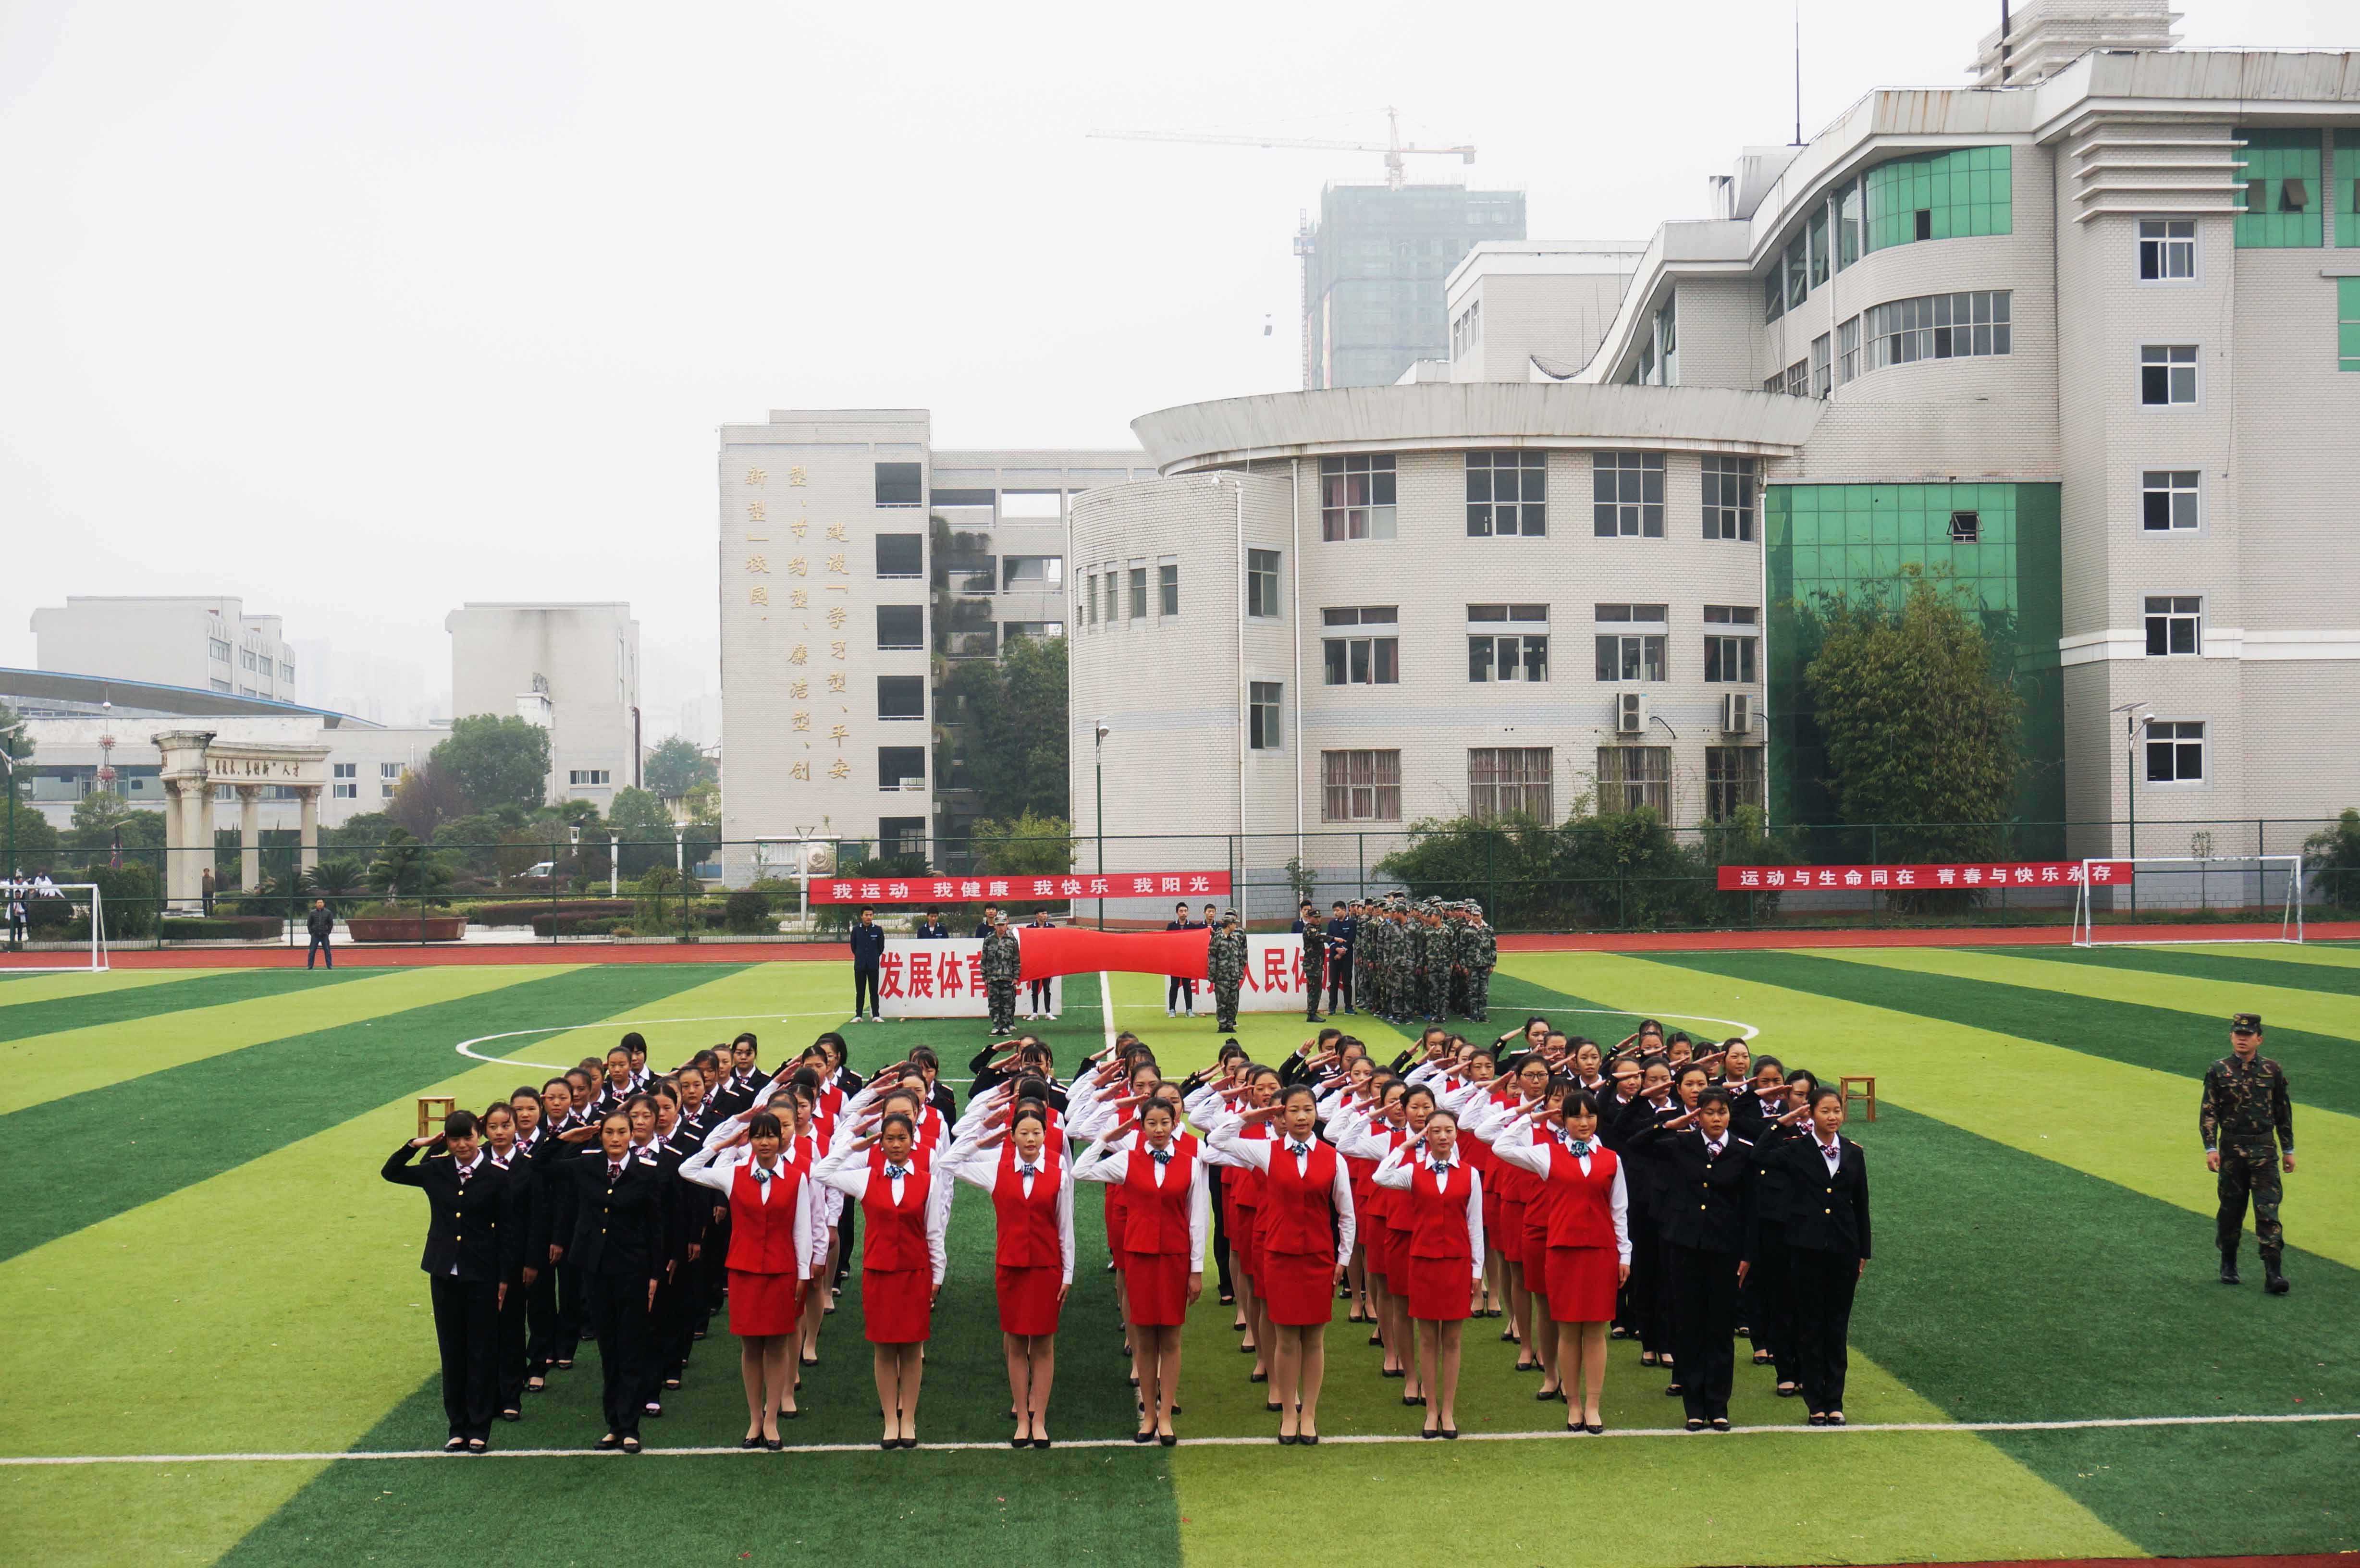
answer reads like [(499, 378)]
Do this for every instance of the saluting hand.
[(425, 1142)]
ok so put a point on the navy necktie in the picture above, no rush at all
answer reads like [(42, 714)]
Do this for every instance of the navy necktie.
[(1300, 1150), (1442, 1167), (1025, 1170), (895, 1172), (1161, 1156), (1579, 1146)]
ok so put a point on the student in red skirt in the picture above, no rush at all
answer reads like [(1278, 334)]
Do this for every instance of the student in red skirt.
[(1587, 1256), (1443, 1197), (1165, 1214), (1031, 1187), (1307, 1227), (771, 1250), (905, 1207)]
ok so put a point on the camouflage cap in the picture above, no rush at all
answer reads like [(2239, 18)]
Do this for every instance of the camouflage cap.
[(1227, 916), (2244, 1023)]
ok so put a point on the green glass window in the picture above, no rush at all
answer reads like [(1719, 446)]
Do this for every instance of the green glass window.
[(1818, 233), (2347, 323), (1798, 276), (1940, 196), (2346, 181), (2278, 196), (1774, 293), (1848, 226)]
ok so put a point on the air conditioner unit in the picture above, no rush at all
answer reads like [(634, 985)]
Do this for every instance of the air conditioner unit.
[(1629, 712), (1737, 713), (919, 785)]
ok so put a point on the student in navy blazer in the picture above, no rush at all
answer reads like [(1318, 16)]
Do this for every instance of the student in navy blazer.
[(475, 1243), (621, 1207), (1827, 1240)]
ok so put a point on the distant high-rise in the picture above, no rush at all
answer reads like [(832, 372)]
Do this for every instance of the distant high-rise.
[(1373, 274)]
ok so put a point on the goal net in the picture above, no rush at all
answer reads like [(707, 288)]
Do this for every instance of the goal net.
[(84, 926), (2174, 896)]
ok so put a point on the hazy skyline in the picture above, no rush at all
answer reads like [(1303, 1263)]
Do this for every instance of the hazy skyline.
[(358, 314)]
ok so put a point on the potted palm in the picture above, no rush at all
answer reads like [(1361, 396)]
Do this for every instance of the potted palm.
[(411, 880)]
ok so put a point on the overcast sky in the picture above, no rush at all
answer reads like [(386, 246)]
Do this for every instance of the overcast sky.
[(357, 311)]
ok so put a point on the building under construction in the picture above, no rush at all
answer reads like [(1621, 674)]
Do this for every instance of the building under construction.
[(1372, 273)]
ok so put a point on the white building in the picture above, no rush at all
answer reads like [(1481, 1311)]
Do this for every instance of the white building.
[(860, 565), (571, 668), (209, 643)]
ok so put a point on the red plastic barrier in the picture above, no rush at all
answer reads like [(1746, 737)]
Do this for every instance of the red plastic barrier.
[(1069, 950)]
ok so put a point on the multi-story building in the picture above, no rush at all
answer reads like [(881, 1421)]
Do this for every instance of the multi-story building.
[(2075, 343), (571, 668), (202, 642), (1373, 274), (859, 567)]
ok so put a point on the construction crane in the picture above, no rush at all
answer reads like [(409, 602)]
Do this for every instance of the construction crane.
[(1395, 175)]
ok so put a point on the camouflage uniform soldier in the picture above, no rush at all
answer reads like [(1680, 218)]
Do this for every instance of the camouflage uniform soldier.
[(1225, 966), (1441, 954), (1417, 951), (1314, 960), (2246, 1102), (1003, 961), (1485, 957), (1374, 960)]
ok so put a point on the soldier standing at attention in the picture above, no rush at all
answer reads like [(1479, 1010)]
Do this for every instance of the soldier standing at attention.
[(2245, 1104), (1003, 961), (1315, 959), (1486, 946), (1418, 954), (1340, 927), (1225, 966)]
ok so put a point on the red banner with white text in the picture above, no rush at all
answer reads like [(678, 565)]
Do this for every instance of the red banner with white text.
[(924, 891), (1980, 876)]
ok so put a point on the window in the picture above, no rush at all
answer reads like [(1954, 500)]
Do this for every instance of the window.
[(900, 625), (1356, 497), (1667, 342), (1089, 598), (2175, 623), (1507, 642), (1627, 494), (900, 555), (218, 649), (2280, 177), (1360, 786), (1938, 326), (1139, 593), (1037, 574), (1848, 226), (1729, 656), (1798, 379), (2170, 501), (1633, 655), (1039, 630), (2175, 751), (1261, 582), (1940, 196), (1502, 779), (220, 684), (898, 485), (1819, 237), (588, 776), (1728, 497), (1114, 580), (1774, 294), (1261, 714), (1799, 273), (900, 768), (2347, 312), (1733, 778), (2167, 250), (1167, 587), (246, 657), (1466, 330), (286, 672), (1966, 527), (900, 696), (1507, 494), (1629, 777), (900, 836), (1369, 659), (1848, 351), (1823, 365), (389, 779), (344, 779), (2167, 375)]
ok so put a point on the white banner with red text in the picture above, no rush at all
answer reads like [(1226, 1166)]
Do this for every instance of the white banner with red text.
[(935, 891), (1978, 877)]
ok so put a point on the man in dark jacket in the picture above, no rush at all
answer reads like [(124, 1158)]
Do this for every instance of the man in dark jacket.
[(474, 1241), (868, 962), (320, 924)]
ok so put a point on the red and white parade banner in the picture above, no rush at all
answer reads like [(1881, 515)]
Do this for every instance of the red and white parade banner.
[(1979, 875), (942, 978), (934, 892)]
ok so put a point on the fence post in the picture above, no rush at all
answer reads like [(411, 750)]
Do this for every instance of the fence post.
[(1361, 858), (1491, 869)]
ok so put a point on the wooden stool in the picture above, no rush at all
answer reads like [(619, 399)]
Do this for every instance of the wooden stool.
[(433, 1108), (1866, 1093)]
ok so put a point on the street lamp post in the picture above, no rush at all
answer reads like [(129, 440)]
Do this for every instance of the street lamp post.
[(1097, 760), (2131, 723), (8, 854)]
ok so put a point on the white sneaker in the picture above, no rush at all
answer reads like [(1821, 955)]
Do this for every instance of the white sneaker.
[(1170, 1014)]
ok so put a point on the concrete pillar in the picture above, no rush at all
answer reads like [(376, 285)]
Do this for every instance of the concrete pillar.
[(249, 837), (196, 839), (309, 794)]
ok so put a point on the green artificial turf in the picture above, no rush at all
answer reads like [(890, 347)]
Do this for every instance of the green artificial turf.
[(2221, 1491), (130, 1004), (2218, 968)]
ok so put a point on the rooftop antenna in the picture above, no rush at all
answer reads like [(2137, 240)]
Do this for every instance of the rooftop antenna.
[(1799, 71)]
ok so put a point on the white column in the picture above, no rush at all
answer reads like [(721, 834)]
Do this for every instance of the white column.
[(309, 794), (197, 798), (249, 837)]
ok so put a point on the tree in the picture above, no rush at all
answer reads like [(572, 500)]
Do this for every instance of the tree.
[(497, 760), (1013, 728), (1919, 728), (1029, 846), (2331, 856), (428, 796), (101, 815), (338, 878), (404, 869), (675, 767), (638, 819), (22, 828)]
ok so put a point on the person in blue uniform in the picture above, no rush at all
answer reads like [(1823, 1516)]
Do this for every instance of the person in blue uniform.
[(474, 1244)]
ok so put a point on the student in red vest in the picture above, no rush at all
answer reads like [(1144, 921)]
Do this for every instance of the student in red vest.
[(1307, 1227), (904, 1209), (1031, 1187), (1165, 1213), (1442, 1196), (770, 1235), (1370, 1130), (1588, 1253)]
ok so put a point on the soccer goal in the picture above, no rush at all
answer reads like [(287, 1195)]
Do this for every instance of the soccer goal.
[(2264, 887), (81, 894)]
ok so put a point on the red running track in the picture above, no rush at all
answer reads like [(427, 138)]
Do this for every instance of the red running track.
[(577, 952)]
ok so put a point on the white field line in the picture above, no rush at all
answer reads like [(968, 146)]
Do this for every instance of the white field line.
[(1116, 1442)]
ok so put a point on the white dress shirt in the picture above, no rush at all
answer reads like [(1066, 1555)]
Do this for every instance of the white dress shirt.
[(1223, 1135), (717, 1169), (1109, 1162), (1401, 1170)]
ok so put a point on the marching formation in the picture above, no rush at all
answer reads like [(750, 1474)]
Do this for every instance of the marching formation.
[(1576, 1193)]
